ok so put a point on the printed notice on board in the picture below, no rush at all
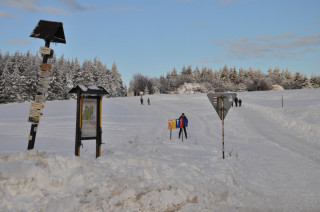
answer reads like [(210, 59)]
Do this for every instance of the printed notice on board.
[(89, 117)]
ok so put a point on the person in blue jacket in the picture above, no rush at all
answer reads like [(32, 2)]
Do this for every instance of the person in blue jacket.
[(185, 121)]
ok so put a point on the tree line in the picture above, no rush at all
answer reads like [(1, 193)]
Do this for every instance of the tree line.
[(225, 79), (19, 76)]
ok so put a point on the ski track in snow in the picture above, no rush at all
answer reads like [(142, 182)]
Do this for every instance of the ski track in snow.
[(272, 156)]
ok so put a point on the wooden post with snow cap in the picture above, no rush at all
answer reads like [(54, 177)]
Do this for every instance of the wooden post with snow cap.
[(50, 32)]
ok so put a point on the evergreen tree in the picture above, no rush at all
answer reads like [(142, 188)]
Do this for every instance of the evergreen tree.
[(116, 76), (315, 81), (225, 74), (196, 74), (146, 90), (130, 89)]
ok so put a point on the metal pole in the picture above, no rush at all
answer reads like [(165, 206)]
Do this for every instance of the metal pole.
[(282, 101), (222, 128), (34, 127), (170, 133)]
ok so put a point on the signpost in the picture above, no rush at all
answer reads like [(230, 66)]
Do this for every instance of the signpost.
[(51, 32), (221, 103), (176, 124), (88, 123), (45, 50)]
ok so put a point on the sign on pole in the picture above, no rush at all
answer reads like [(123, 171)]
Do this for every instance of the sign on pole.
[(221, 103), (217, 99), (45, 50), (51, 32), (176, 124), (45, 67), (35, 112)]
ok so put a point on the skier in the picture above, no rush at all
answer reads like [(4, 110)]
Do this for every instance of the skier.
[(148, 101), (236, 101), (141, 100), (240, 102), (185, 124)]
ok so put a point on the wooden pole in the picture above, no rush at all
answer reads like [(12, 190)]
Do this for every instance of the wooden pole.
[(78, 125), (34, 127), (182, 133), (222, 110), (99, 130)]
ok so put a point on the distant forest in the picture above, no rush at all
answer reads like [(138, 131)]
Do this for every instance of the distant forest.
[(225, 79), (19, 75)]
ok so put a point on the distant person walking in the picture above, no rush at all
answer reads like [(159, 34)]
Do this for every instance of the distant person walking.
[(148, 101), (184, 120), (236, 101), (240, 101), (141, 100)]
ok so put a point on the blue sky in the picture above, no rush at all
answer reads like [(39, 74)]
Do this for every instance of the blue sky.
[(153, 36)]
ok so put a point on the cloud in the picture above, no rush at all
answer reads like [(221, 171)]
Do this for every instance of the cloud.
[(31, 5), (73, 5), (217, 60), (284, 46), (275, 37), (124, 9), (204, 61), (5, 15), (17, 41)]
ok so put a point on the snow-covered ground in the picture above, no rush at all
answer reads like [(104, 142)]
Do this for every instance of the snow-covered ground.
[(272, 156)]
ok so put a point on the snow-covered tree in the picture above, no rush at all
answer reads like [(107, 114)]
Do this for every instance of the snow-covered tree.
[(146, 90), (196, 74)]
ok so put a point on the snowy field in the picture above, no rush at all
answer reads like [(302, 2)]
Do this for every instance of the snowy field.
[(272, 156)]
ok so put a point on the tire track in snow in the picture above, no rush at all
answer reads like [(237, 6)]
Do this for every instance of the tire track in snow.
[(277, 135)]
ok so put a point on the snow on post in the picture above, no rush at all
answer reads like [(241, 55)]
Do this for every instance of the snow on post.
[(51, 32)]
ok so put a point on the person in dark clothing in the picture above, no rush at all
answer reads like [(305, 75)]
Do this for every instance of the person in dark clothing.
[(148, 101), (236, 101), (240, 101), (185, 121), (141, 100)]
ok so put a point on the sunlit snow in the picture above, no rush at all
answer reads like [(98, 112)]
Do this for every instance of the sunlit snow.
[(272, 156)]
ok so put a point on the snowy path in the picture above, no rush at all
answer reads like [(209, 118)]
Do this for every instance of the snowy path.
[(271, 132), (286, 167)]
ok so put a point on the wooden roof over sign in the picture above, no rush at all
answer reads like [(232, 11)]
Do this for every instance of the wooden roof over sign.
[(89, 89), (49, 31)]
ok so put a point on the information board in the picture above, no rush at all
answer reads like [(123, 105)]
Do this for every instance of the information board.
[(89, 118)]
